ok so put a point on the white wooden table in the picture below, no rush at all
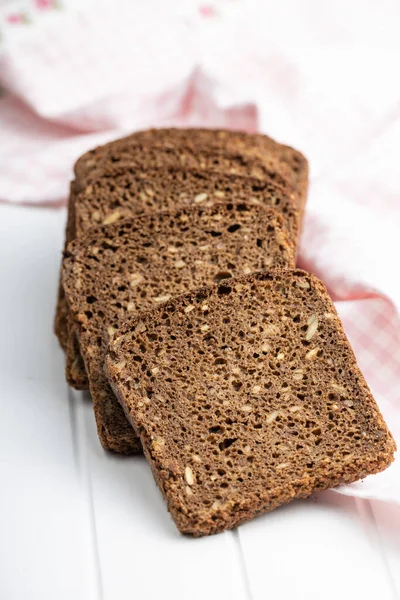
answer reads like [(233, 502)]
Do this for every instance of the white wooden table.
[(79, 524)]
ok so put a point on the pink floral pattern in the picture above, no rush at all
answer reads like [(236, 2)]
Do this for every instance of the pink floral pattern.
[(29, 11), (206, 10), (17, 19), (46, 4)]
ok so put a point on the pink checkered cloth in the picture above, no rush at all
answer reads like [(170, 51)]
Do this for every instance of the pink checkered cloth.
[(318, 76)]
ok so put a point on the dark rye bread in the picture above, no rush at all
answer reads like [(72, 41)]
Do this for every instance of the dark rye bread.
[(145, 154), (122, 193), (117, 270), (148, 153), (245, 396), (61, 316), (256, 145), (75, 371)]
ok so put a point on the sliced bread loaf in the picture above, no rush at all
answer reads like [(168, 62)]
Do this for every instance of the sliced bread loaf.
[(255, 145), (122, 193), (145, 155), (245, 396), (120, 269), (150, 154)]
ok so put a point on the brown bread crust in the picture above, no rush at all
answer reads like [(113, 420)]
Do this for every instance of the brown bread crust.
[(262, 403), (75, 372), (119, 269), (61, 316)]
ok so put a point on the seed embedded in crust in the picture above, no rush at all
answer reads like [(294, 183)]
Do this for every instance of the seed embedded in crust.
[(329, 315), (312, 327), (162, 298), (272, 416), (200, 198), (339, 389), (298, 374), (282, 466), (312, 353), (189, 476), (303, 284), (135, 279), (112, 218)]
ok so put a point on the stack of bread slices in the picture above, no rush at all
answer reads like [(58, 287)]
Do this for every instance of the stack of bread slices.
[(181, 310)]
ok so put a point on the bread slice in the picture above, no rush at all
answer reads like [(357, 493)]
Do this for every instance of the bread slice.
[(252, 145), (140, 156), (117, 270), (153, 154), (245, 396), (122, 193), (230, 151), (149, 154)]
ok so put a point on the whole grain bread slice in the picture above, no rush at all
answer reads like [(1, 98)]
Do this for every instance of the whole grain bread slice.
[(120, 269), (122, 193), (145, 155), (153, 154), (245, 396), (251, 145), (140, 155)]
